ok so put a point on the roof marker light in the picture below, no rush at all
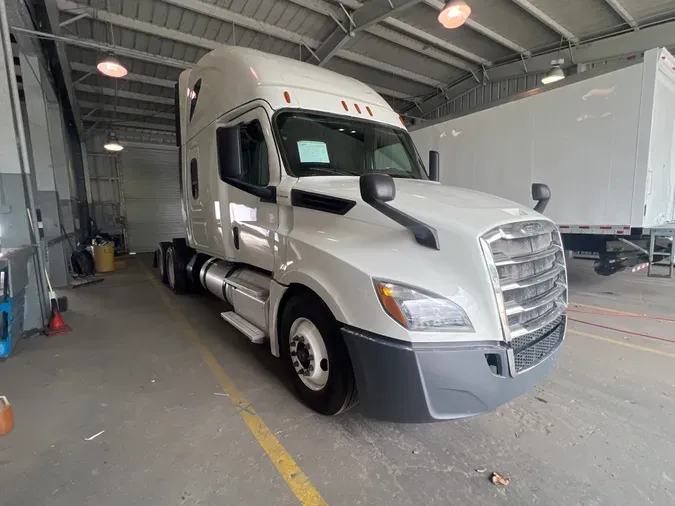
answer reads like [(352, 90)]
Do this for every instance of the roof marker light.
[(358, 109), (344, 104), (287, 96), (369, 111)]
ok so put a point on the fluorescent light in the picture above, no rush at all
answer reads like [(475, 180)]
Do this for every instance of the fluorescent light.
[(454, 14), (554, 75), (111, 67)]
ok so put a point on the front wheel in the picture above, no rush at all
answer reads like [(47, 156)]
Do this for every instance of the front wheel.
[(316, 356)]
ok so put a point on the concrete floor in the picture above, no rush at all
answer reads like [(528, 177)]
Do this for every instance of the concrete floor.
[(598, 431)]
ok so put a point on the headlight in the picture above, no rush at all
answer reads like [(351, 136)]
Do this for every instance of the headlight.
[(417, 310)]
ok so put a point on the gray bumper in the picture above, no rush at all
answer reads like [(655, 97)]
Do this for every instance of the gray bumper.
[(405, 382)]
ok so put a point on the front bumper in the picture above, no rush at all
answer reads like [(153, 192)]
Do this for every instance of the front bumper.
[(411, 382)]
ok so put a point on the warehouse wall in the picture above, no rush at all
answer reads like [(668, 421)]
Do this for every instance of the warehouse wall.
[(43, 184), (135, 193)]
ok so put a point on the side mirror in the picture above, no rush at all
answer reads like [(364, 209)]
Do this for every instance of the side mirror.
[(542, 194), (377, 187), (434, 166), (229, 152)]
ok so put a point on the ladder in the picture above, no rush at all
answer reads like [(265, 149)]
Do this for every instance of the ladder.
[(666, 232)]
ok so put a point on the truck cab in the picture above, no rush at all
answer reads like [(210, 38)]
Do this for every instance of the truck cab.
[(308, 209)]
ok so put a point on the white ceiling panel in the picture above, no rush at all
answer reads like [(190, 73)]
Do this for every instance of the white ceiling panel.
[(388, 52), (649, 10), (584, 18)]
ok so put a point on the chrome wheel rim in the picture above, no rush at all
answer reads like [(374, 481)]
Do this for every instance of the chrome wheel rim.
[(308, 354)]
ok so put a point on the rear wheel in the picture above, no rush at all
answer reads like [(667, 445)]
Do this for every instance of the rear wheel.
[(175, 270), (160, 258), (316, 356)]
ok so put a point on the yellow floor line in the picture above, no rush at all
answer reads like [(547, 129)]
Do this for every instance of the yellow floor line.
[(289, 470), (624, 344), (604, 309)]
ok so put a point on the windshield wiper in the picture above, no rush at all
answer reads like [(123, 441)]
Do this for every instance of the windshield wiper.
[(334, 171)]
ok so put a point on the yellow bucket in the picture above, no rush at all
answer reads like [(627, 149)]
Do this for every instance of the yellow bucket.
[(104, 258)]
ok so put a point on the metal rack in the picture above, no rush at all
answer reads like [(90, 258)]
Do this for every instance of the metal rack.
[(666, 232)]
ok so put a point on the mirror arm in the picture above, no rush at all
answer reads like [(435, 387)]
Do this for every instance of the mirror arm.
[(265, 193)]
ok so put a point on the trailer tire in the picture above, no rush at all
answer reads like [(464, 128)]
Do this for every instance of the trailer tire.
[(160, 259), (308, 328), (175, 270)]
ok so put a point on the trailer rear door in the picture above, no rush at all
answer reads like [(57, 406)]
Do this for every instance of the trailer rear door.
[(660, 188)]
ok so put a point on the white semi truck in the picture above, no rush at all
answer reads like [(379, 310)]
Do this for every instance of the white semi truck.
[(604, 142), (308, 210)]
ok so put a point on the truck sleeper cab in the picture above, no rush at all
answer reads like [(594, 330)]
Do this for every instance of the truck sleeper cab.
[(308, 210)]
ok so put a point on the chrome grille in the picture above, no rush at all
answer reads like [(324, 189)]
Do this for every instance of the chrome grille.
[(538, 345), (527, 267)]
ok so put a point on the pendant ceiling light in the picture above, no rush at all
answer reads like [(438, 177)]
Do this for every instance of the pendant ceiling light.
[(553, 75), (556, 73), (112, 144), (111, 67), (454, 14)]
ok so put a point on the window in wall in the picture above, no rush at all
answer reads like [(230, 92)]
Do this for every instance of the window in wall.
[(254, 160), (194, 178), (194, 96)]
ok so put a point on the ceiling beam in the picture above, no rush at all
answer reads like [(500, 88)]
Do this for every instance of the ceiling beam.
[(547, 20), (390, 69), (418, 46), (136, 124), (627, 44), (109, 92), (483, 30), (422, 35), (140, 78), (223, 14), (322, 7), (148, 113), (367, 15), (625, 15)]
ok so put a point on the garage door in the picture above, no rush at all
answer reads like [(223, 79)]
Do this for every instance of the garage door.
[(152, 205)]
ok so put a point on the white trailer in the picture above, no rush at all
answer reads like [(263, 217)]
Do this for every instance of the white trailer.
[(603, 143), (308, 210)]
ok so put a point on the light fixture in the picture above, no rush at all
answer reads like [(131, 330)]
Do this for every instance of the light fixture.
[(111, 67), (555, 74), (454, 14), (112, 144)]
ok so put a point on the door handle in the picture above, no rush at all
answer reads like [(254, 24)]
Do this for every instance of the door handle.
[(235, 237)]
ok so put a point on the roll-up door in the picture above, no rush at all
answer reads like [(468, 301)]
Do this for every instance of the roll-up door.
[(152, 205)]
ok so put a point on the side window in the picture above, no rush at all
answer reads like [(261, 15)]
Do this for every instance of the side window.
[(254, 161), (194, 96), (194, 178), (392, 156)]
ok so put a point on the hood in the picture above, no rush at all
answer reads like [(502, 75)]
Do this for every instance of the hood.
[(442, 207)]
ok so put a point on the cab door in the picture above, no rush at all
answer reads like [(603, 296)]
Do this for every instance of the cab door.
[(253, 220)]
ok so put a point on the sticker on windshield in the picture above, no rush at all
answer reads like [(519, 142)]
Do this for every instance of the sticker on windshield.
[(313, 152)]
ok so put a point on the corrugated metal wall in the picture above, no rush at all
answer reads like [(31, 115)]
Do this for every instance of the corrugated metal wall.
[(484, 94), (150, 196), (104, 184)]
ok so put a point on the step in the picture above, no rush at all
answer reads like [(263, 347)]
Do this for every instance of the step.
[(253, 333)]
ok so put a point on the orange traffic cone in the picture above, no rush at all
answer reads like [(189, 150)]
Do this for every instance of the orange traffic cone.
[(6, 416), (56, 324)]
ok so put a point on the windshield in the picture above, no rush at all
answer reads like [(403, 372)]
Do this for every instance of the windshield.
[(318, 145)]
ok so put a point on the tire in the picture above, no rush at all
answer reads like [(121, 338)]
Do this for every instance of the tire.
[(175, 270), (160, 258), (311, 342)]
